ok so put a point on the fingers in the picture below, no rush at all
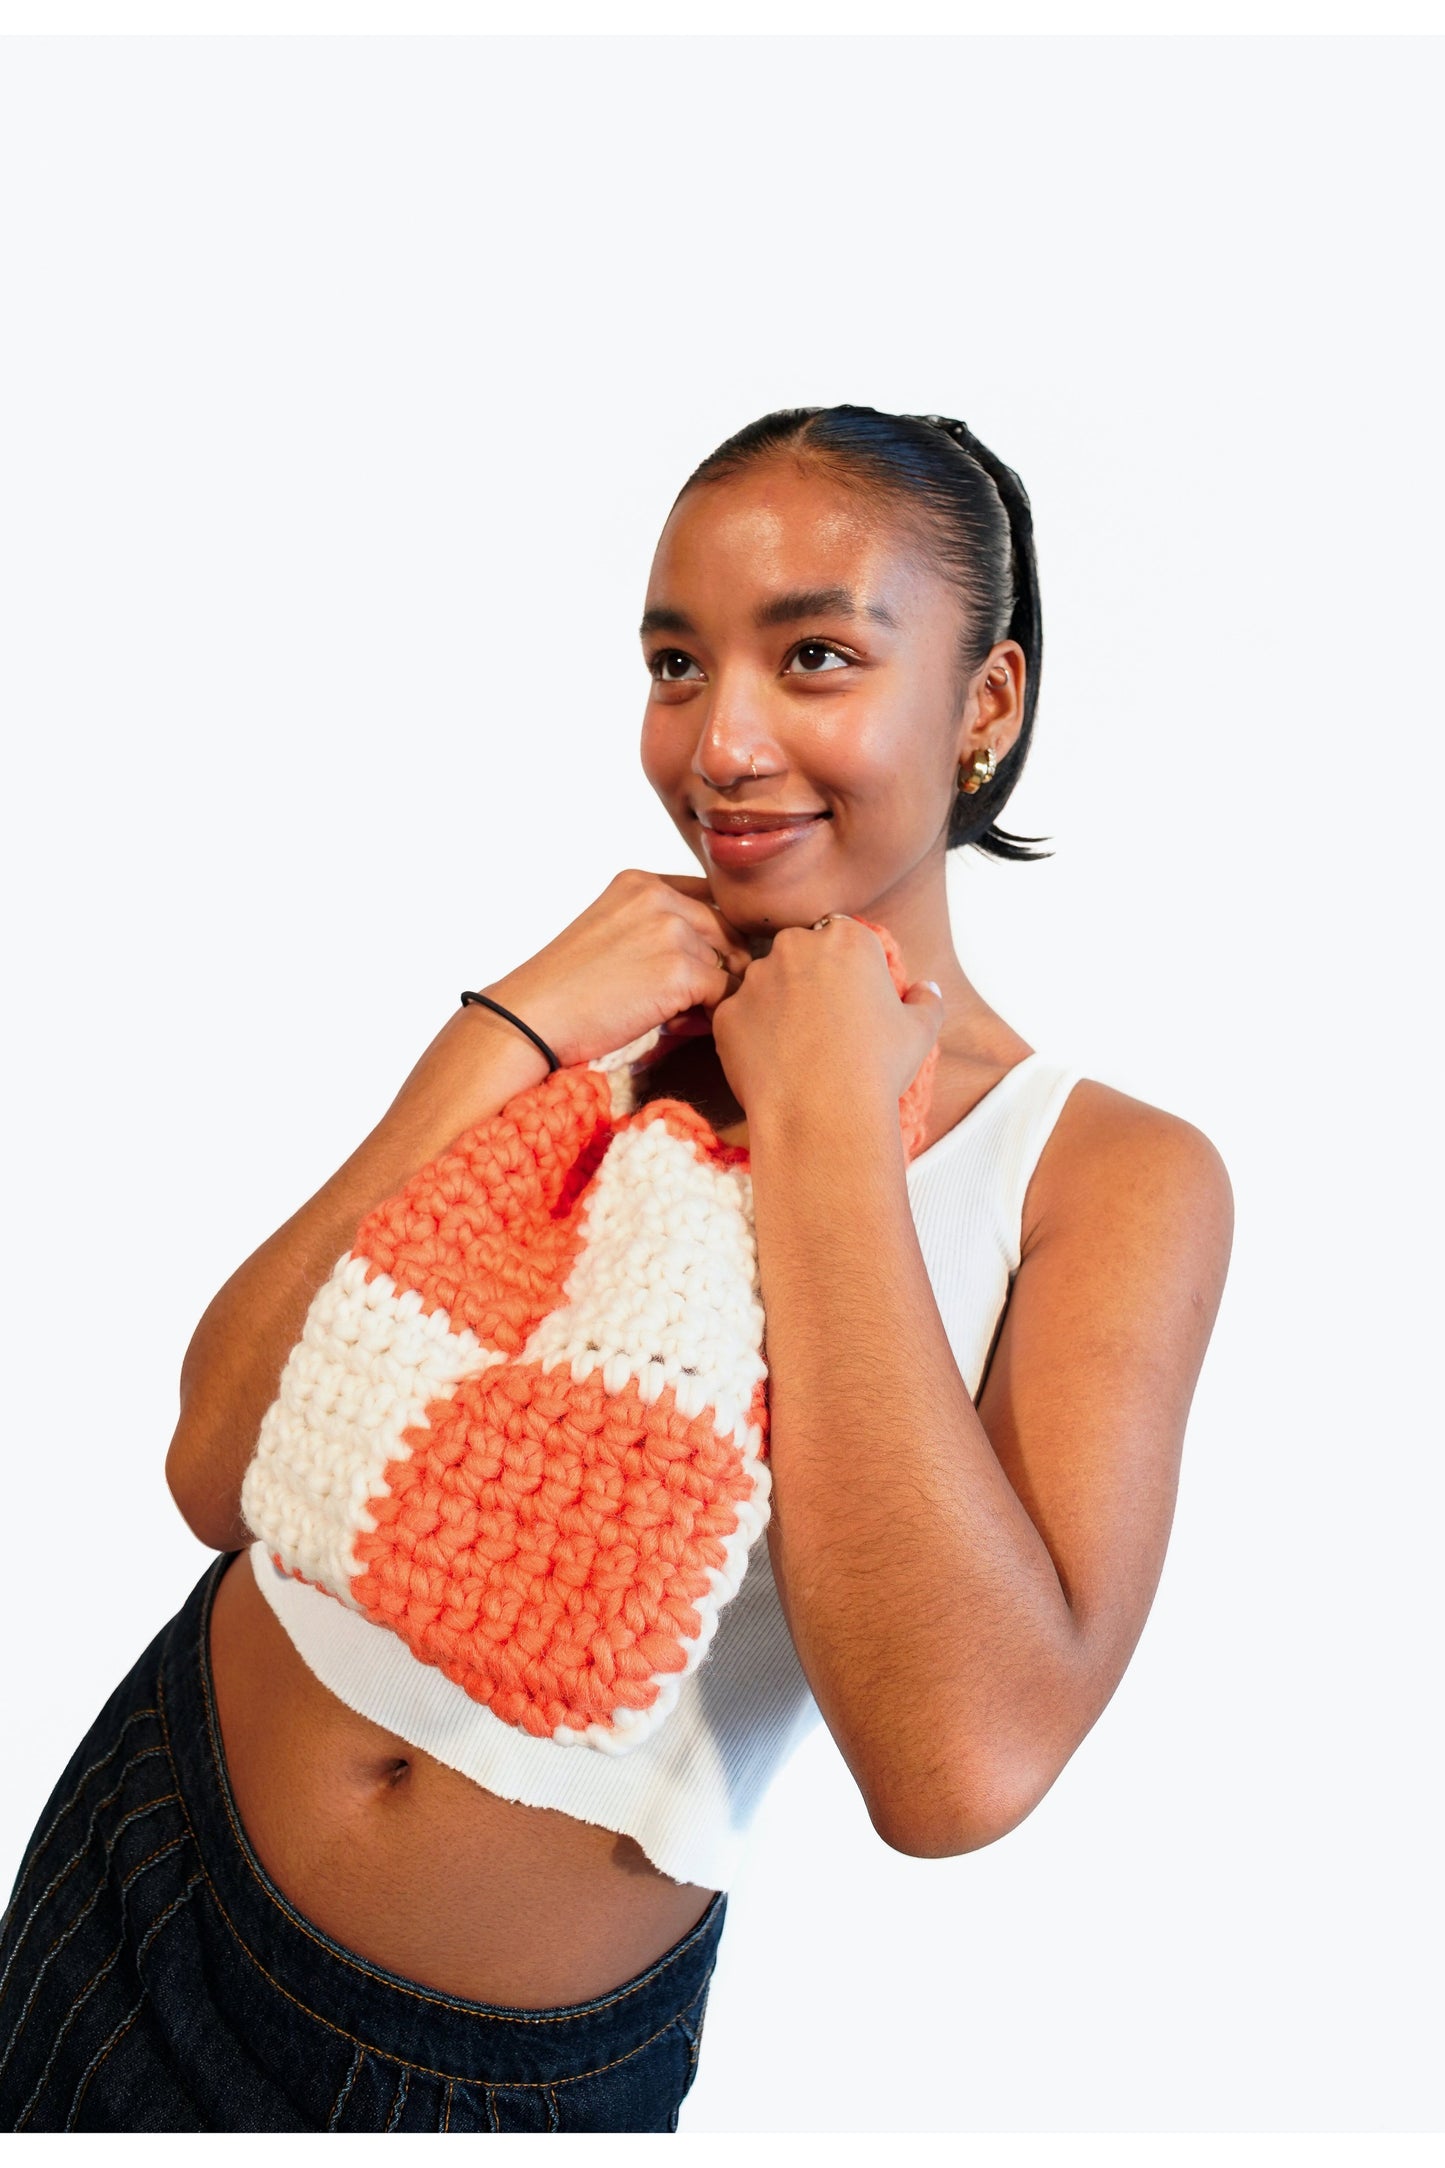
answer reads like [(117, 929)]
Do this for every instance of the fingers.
[(696, 904), (924, 997), (701, 965), (715, 938), (725, 976), (688, 884)]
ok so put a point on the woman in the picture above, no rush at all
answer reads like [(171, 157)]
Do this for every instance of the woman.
[(289, 1881)]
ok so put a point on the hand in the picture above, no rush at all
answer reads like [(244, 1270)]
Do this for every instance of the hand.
[(644, 953), (820, 1015)]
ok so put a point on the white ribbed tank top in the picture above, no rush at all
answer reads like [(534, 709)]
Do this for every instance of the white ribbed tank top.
[(689, 1792)]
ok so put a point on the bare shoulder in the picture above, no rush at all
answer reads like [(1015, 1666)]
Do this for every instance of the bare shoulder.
[(1111, 1156), (1127, 1229)]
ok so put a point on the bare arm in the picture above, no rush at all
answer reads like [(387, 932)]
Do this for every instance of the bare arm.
[(964, 1584)]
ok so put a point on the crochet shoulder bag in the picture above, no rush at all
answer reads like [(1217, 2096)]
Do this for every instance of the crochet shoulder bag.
[(525, 1426)]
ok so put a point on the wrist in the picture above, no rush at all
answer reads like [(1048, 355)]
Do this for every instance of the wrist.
[(837, 1116), (509, 1055), (528, 1001), (474, 1065)]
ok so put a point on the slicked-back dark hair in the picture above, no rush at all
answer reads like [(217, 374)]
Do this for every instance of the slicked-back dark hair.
[(977, 514)]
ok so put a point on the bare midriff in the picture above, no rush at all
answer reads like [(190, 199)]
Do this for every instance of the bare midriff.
[(407, 1862)]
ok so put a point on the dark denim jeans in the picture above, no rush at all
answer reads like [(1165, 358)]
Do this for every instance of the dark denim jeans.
[(152, 1977)]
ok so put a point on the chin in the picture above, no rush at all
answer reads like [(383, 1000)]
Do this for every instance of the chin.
[(766, 905), (764, 902), (758, 925)]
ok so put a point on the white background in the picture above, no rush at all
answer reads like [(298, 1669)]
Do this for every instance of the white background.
[(345, 388)]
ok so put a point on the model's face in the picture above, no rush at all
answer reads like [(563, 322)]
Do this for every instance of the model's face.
[(805, 661)]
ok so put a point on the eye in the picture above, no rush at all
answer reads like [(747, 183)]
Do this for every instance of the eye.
[(672, 666), (816, 656)]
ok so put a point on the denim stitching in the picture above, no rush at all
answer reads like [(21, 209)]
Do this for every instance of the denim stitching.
[(492, 2111), (97, 2059), (60, 1813), (446, 2114), (554, 2120), (74, 1859), (346, 2084), (399, 2102), (156, 1925), (136, 1814), (578, 2075), (93, 1899), (76, 2007), (478, 2012), (126, 2023)]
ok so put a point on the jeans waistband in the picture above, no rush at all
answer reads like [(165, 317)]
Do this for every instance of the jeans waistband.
[(399, 2017)]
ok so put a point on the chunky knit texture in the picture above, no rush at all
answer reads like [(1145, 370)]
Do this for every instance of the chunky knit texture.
[(525, 1426), (690, 1795)]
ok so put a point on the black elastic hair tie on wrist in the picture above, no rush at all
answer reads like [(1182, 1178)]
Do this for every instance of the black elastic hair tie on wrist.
[(488, 1003)]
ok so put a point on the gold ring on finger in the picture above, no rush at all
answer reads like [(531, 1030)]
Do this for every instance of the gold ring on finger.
[(820, 923), (722, 962)]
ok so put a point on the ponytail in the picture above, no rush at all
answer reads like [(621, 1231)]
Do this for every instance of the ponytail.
[(1025, 624)]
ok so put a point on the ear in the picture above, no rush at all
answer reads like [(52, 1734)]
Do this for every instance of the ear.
[(993, 708)]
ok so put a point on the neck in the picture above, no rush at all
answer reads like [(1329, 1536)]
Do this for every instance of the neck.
[(915, 911)]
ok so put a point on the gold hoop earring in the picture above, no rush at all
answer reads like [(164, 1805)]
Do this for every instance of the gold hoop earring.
[(981, 770), (753, 764)]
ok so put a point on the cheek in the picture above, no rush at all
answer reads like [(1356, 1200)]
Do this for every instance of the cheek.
[(882, 757), (656, 749), (665, 753)]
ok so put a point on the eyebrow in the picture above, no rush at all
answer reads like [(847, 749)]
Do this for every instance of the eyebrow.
[(820, 602), (788, 609), (661, 619)]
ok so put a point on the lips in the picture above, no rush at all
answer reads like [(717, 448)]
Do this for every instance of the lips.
[(735, 840), (742, 824)]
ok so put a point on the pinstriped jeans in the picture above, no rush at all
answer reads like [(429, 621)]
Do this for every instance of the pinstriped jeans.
[(152, 1977)]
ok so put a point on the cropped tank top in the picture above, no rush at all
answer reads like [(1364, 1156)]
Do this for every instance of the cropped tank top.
[(689, 1792)]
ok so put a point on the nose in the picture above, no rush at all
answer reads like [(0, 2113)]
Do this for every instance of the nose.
[(733, 744)]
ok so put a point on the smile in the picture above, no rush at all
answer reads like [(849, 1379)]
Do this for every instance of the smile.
[(735, 847)]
